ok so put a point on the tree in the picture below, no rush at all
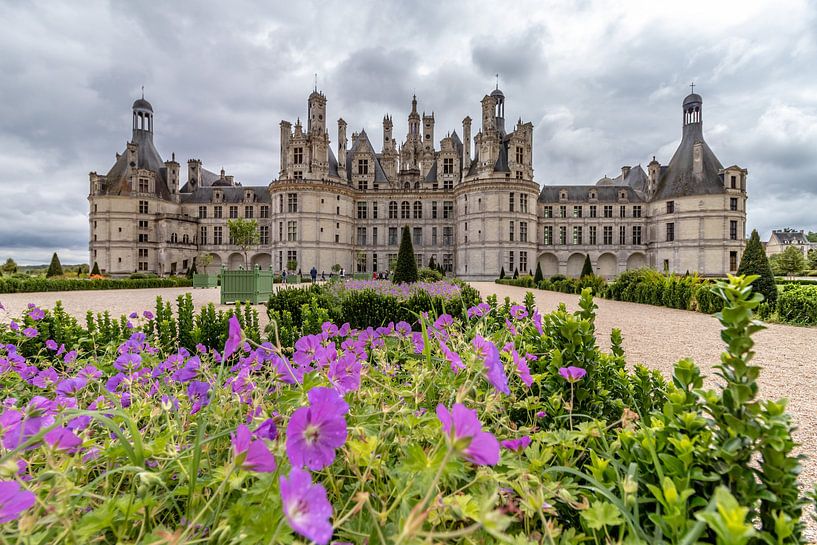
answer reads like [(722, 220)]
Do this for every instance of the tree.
[(754, 261), (95, 270), (502, 273), (811, 236), (432, 264), (791, 262), (10, 267), (515, 274), (244, 234), (538, 277), (587, 269), (205, 260), (55, 268), (406, 269)]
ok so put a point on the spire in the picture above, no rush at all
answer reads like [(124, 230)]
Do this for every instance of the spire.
[(143, 92), (497, 81), (316, 82)]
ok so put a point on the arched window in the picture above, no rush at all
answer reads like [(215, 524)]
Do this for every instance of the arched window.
[(186, 239), (406, 185), (418, 210), (174, 238), (393, 210), (416, 185), (404, 210)]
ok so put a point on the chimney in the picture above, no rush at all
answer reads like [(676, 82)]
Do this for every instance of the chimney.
[(625, 170), (466, 143)]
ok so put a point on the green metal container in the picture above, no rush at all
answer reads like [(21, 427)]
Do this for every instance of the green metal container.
[(205, 280), (253, 286)]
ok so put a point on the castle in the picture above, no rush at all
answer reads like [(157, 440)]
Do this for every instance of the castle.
[(474, 211)]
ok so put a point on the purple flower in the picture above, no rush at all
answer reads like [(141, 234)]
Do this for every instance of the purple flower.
[(234, 336), (495, 372), (36, 314), (516, 444), (30, 332), (453, 358), (541, 414), (188, 372), (51, 344), (70, 356), (480, 310), (344, 373), (267, 430), (148, 315), (14, 501), (537, 321), (89, 371), (71, 386), (170, 403), (572, 374), (133, 315), (63, 439), (314, 432), (463, 427), (519, 312), (443, 321), (199, 394), (252, 455), (45, 377), (403, 328), (128, 361), (14, 326), (522, 368), (305, 505)]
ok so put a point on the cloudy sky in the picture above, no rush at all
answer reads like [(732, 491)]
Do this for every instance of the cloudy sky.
[(601, 81)]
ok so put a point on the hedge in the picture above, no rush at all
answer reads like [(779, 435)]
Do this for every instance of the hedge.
[(797, 304), (38, 284)]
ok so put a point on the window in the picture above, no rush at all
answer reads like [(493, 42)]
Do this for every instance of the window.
[(577, 211), (404, 210), (233, 212), (510, 232), (292, 202), (562, 234), (298, 175), (636, 234), (392, 236), (143, 237), (143, 225), (144, 185), (548, 211), (563, 211), (292, 259), (593, 235), (622, 234), (143, 252), (448, 210), (264, 211), (577, 234), (548, 235), (733, 260), (393, 210), (263, 237), (733, 204), (217, 212), (523, 203), (281, 231), (733, 230), (362, 210), (280, 204), (361, 236), (448, 262), (298, 156), (433, 210), (608, 210), (374, 236), (292, 231), (520, 155), (249, 212), (418, 236), (143, 207), (510, 202), (593, 211), (202, 235), (637, 211), (518, 174), (418, 210), (622, 211), (448, 184), (448, 166), (670, 232), (363, 184), (608, 234), (670, 207), (510, 261), (374, 210), (418, 258), (523, 231), (218, 234), (733, 180), (362, 166), (374, 262), (433, 236), (202, 211), (448, 235), (523, 261), (143, 265)]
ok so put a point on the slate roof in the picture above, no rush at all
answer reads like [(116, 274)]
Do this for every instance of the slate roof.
[(116, 182), (790, 237), (432, 172), (581, 193), (364, 144), (678, 179), (232, 195)]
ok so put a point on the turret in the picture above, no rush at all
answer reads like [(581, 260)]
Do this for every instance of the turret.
[(466, 143), (488, 114), (286, 134), (316, 121), (414, 120), (342, 147), (428, 131), (653, 172), (172, 175), (142, 119), (388, 140)]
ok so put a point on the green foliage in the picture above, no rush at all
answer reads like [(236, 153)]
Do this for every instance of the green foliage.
[(36, 284), (244, 234), (755, 262), (55, 268), (429, 275), (10, 267), (797, 304), (406, 270), (788, 263), (538, 276), (587, 268), (95, 270)]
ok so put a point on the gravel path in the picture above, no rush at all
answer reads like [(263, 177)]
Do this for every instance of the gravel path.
[(655, 336)]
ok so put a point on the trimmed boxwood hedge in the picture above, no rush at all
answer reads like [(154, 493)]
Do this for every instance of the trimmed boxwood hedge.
[(35, 284)]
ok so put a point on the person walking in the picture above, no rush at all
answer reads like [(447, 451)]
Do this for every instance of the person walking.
[(314, 274), (284, 276)]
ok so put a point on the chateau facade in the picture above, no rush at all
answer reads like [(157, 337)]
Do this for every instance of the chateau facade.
[(474, 211)]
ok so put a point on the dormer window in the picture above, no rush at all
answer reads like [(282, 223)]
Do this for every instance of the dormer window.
[(363, 166), (217, 195), (563, 195), (298, 156), (592, 194)]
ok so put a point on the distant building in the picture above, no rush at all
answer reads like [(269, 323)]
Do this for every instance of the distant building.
[(783, 238), (472, 212)]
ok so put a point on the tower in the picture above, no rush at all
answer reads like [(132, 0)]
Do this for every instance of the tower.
[(142, 120), (414, 120), (499, 109), (488, 114), (316, 118), (286, 134), (388, 140), (342, 148), (466, 144), (428, 132)]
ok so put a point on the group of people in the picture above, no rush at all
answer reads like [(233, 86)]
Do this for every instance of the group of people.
[(313, 273)]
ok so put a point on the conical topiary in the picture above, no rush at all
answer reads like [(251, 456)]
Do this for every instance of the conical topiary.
[(587, 269), (406, 270), (754, 261), (55, 268), (538, 277), (515, 274), (95, 270), (502, 273)]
